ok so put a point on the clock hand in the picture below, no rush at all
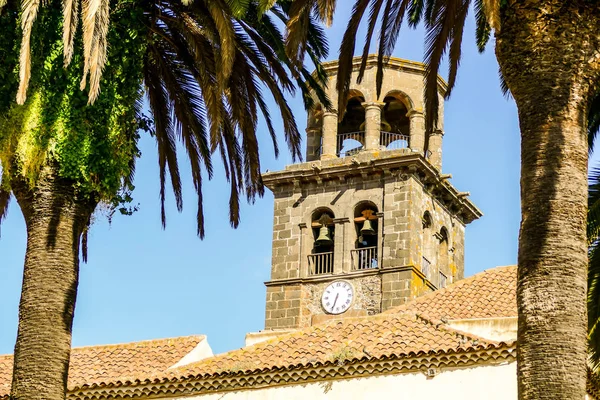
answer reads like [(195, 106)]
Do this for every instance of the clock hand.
[(336, 297)]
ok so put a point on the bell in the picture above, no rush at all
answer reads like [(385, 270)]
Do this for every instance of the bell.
[(384, 126), (323, 238), (367, 229)]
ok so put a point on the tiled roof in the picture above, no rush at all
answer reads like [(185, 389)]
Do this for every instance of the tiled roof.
[(488, 294), (96, 364), (379, 336), (404, 330), (411, 330)]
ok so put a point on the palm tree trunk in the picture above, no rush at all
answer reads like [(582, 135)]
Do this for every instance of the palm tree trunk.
[(547, 52), (55, 220)]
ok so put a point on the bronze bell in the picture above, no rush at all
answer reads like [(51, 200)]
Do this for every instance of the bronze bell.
[(324, 237), (367, 229), (384, 126)]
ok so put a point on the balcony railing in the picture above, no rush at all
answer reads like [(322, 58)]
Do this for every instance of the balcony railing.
[(365, 258), (321, 263), (350, 143), (392, 140), (426, 268)]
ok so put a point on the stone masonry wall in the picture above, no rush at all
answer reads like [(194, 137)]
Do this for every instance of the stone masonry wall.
[(402, 199)]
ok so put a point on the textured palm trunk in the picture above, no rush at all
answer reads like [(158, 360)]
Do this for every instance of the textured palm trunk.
[(548, 53), (55, 221)]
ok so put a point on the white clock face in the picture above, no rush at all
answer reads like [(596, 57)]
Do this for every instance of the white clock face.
[(337, 297)]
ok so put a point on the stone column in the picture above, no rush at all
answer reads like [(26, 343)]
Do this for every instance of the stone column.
[(339, 246), (302, 261), (313, 143), (372, 124), (417, 130), (380, 240), (435, 147), (329, 135)]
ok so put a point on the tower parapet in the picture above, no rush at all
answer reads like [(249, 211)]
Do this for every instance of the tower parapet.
[(393, 121)]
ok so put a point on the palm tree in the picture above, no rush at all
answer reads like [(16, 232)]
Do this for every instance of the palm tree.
[(593, 234), (548, 56), (203, 67)]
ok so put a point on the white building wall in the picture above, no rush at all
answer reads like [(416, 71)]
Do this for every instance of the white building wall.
[(497, 382)]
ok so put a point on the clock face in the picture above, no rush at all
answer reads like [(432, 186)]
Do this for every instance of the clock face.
[(337, 297)]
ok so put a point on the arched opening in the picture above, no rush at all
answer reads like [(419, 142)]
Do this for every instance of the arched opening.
[(366, 225), (351, 138), (323, 236), (426, 244), (394, 113), (443, 259)]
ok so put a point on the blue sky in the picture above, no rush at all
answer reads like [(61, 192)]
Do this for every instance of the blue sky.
[(143, 282)]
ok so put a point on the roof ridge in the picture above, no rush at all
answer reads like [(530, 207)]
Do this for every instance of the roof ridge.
[(126, 344), (147, 341), (440, 325)]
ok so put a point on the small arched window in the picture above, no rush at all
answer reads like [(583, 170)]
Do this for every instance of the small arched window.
[(323, 232), (366, 225), (397, 133), (351, 138), (443, 258), (426, 245)]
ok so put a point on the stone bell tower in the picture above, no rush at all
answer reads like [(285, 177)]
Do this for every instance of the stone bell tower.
[(366, 211)]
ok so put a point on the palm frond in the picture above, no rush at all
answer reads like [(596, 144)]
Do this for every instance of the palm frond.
[(593, 121), (415, 12), (70, 21), (95, 28), (5, 197), (483, 29), (226, 35), (455, 45), (317, 49), (492, 12), (373, 15), (297, 30), (265, 5), (346, 56), (326, 10), (194, 102), (593, 299), (164, 128), (593, 220), (393, 15), (29, 11)]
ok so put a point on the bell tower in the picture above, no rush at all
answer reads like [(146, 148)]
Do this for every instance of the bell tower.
[(366, 223)]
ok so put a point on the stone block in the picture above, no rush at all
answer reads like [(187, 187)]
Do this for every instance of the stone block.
[(277, 296), (270, 323), (292, 294), (284, 304), (278, 314), (285, 234), (286, 322), (292, 312)]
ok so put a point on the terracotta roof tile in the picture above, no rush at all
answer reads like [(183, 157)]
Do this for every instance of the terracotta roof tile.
[(376, 336), (488, 294), (403, 330), (95, 364)]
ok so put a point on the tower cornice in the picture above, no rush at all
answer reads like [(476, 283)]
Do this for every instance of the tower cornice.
[(397, 162)]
